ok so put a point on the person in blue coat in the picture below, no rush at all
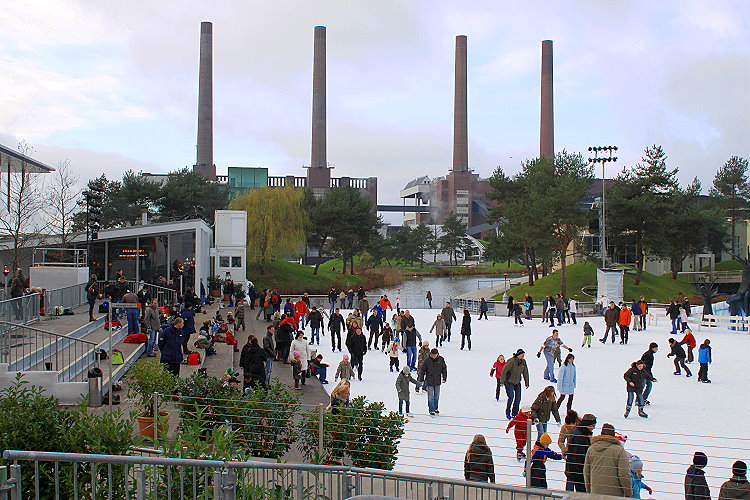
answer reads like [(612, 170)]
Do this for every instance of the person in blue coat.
[(188, 318), (635, 309), (704, 359), (566, 381), (170, 346)]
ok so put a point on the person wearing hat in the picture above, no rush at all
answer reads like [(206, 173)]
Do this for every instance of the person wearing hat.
[(634, 378), (539, 455), (737, 486), (402, 389), (648, 362), (520, 430), (513, 370), (636, 477), (606, 470), (696, 487), (575, 455)]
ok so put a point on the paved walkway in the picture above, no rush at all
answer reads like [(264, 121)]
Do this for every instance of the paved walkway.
[(490, 291)]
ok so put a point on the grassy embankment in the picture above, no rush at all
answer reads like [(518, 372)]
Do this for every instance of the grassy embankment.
[(583, 274)]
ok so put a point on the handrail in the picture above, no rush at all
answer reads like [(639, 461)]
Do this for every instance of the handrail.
[(47, 332)]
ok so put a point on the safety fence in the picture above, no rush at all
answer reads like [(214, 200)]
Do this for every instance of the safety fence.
[(21, 310), (71, 475), (163, 295), (27, 348), (68, 297), (404, 302), (437, 445)]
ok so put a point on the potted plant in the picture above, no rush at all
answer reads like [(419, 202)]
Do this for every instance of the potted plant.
[(214, 285), (146, 377)]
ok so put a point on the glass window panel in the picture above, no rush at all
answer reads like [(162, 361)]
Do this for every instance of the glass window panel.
[(122, 256)]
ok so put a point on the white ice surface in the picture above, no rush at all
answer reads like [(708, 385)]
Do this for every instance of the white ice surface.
[(684, 415)]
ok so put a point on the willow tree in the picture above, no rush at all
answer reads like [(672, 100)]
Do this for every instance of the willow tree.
[(276, 223)]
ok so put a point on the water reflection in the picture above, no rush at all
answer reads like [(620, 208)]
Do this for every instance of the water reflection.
[(414, 290)]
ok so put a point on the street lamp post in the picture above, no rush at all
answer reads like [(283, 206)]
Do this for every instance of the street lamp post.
[(6, 272), (608, 150)]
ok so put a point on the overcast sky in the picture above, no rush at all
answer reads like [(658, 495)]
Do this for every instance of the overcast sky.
[(113, 85)]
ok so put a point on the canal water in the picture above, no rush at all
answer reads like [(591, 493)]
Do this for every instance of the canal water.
[(443, 288)]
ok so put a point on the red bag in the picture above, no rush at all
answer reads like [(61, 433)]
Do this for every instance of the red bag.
[(194, 358), (230, 339), (115, 324), (136, 338)]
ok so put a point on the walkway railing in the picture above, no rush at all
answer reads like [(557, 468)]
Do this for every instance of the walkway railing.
[(72, 475), (20, 310), (26, 348), (68, 297), (162, 294)]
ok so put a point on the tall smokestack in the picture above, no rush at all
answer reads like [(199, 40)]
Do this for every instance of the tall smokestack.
[(205, 148), (319, 175), (547, 120), (460, 125)]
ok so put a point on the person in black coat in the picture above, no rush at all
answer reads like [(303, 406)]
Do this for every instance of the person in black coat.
[(466, 329), (374, 325), (335, 324), (434, 372), (679, 358), (648, 362), (478, 464), (696, 487), (357, 345), (170, 346), (578, 444), (253, 363), (483, 308), (635, 380)]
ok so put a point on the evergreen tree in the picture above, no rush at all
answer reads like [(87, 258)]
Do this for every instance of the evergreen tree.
[(454, 238), (731, 192)]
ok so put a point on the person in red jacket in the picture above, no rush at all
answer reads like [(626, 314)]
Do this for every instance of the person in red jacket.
[(497, 372), (385, 304), (691, 343), (300, 312), (520, 431), (624, 323)]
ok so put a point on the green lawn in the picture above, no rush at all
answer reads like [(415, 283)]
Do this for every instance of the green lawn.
[(725, 265), (290, 277), (583, 274)]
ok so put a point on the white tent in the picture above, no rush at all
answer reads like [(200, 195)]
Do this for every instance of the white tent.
[(609, 285)]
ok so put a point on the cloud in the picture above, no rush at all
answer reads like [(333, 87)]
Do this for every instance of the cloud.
[(113, 86)]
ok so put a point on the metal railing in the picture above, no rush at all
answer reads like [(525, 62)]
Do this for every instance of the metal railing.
[(68, 297), (406, 301), (162, 294), (73, 475), (20, 310), (26, 348), (66, 257)]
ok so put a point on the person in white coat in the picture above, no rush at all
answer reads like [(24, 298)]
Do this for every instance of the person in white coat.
[(300, 345), (573, 310), (566, 381)]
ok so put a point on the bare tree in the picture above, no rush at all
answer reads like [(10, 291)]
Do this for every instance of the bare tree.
[(62, 202), (22, 219)]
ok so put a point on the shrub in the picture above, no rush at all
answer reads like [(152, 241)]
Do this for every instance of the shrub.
[(145, 377), (261, 418), (365, 432)]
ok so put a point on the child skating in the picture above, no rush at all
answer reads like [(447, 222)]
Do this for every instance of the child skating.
[(704, 359), (636, 477), (588, 333), (394, 349), (345, 370), (520, 430), (539, 455), (497, 372), (402, 389)]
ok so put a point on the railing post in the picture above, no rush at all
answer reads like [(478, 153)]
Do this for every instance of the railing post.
[(321, 413), (224, 485), (156, 416), (140, 482), (528, 452), (15, 482)]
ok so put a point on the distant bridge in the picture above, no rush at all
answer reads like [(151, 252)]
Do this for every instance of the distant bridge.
[(420, 209)]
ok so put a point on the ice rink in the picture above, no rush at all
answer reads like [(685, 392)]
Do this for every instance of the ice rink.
[(684, 416)]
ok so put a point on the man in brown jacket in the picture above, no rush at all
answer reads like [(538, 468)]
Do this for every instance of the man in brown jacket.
[(606, 470), (611, 317)]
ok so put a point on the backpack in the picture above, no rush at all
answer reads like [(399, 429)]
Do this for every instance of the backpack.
[(136, 338), (103, 307), (194, 358), (100, 354), (117, 357)]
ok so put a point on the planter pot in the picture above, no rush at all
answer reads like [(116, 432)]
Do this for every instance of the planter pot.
[(215, 293), (146, 425)]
